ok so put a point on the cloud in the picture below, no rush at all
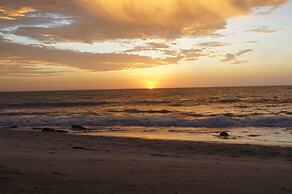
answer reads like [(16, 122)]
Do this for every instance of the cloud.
[(263, 30), (55, 21), (191, 54), (243, 52), (233, 58), (236, 62), (159, 45), (27, 68), (228, 57), (12, 13), (212, 44), (251, 42), (95, 20), (88, 61), (155, 46)]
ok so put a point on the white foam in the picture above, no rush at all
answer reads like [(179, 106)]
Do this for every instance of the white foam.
[(211, 122)]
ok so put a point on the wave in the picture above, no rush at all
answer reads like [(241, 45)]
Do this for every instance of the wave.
[(54, 104), (285, 112), (76, 104), (191, 114), (228, 114), (212, 122), (241, 103), (228, 100), (141, 111), (151, 102), (23, 113)]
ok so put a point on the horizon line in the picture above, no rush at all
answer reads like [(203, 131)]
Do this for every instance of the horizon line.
[(165, 88)]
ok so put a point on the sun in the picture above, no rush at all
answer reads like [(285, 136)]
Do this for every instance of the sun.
[(150, 85)]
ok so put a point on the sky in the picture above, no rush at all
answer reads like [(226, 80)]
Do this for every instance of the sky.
[(115, 44)]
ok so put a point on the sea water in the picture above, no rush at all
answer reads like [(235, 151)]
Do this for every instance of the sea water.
[(257, 115)]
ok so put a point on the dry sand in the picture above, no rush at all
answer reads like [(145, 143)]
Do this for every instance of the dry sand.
[(38, 162)]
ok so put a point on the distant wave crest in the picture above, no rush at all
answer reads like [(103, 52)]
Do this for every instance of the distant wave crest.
[(211, 122), (53, 104)]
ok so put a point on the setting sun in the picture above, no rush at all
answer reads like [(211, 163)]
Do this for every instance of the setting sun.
[(150, 85)]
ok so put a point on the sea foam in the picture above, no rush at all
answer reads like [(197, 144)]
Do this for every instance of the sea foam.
[(211, 122)]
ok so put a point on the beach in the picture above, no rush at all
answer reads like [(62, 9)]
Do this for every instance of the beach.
[(145, 97), (47, 162)]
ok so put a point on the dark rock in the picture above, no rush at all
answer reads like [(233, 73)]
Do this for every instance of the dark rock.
[(48, 130), (79, 128), (253, 135), (78, 148), (13, 127), (54, 130), (224, 134), (61, 131)]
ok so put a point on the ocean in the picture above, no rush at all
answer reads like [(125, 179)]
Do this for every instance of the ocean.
[(254, 115)]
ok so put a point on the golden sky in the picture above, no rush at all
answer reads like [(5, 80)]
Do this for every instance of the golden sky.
[(103, 44)]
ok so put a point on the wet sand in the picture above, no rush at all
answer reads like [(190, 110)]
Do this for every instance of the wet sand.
[(39, 162)]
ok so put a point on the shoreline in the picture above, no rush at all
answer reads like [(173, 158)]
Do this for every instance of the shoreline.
[(270, 137), (40, 162), (179, 145)]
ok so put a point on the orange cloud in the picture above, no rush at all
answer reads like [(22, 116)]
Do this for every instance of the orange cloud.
[(11, 13), (126, 19), (95, 62), (98, 20)]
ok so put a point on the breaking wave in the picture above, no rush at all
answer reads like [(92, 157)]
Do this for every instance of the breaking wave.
[(211, 122), (142, 111), (179, 103)]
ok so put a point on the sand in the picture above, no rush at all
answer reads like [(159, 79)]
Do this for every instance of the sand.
[(38, 162)]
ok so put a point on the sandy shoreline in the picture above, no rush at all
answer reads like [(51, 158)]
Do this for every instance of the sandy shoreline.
[(38, 162)]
